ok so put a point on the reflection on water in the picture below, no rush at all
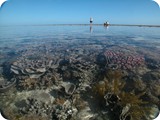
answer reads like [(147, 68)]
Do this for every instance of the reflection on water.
[(91, 29), (75, 72)]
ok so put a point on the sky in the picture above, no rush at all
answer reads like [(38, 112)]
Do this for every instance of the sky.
[(33, 12)]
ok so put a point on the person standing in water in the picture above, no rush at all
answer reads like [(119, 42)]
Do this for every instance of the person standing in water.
[(91, 20)]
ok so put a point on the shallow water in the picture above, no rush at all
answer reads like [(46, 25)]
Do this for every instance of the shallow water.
[(74, 52)]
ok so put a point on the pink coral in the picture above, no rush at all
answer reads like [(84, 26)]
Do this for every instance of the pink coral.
[(123, 59)]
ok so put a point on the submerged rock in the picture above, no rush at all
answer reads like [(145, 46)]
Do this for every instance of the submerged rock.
[(69, 88), (85, 114)]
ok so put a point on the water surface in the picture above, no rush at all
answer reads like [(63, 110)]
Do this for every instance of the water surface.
[(43, 59)]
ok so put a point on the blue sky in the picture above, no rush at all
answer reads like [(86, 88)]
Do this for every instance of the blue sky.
[(26, 12)]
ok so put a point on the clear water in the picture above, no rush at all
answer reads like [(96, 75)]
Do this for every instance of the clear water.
[(15, 40), (30, 34)]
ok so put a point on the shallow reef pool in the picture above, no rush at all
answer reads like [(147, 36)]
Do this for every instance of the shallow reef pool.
[(73, 72)]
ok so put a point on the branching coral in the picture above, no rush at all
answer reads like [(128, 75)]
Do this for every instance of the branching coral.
[(123, 59), (48, 80), (29, 83)]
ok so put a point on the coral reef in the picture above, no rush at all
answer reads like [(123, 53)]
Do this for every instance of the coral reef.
[(123, 59), (122, 105), (35, 106), (46, 81), (13, 115), (32, 68), (79, 80), (155, 88), (111, 83), (6, 85), (64, 111), (139, 85), (136, 110), (28, 84), (151, 57)]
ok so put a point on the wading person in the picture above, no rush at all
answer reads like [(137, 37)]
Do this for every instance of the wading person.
[(91, 20)]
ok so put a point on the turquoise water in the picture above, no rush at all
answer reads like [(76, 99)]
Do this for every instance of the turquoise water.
[(83, 56)]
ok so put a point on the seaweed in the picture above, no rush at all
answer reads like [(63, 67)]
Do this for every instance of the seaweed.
[(122, 105), (59, 101), (114, 74), (101, 88), (111, 83), (137, 108)]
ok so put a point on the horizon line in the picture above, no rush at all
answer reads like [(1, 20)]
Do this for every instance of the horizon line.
[(78, 24)]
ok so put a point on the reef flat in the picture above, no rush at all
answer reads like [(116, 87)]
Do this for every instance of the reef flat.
[(74, 77)]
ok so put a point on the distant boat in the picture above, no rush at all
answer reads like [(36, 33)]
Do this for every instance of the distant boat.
[(106, 23)]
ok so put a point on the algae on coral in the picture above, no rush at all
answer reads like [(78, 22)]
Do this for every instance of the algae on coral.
[(122, 104)]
